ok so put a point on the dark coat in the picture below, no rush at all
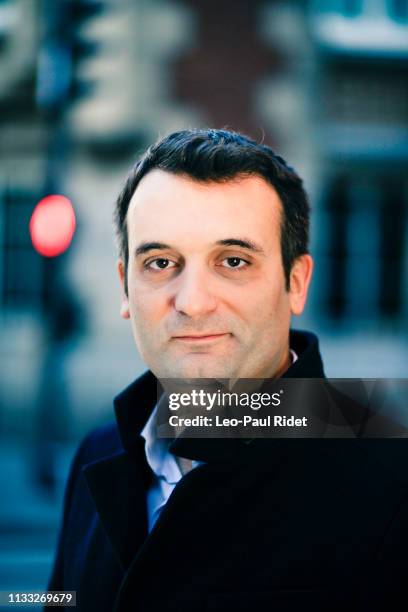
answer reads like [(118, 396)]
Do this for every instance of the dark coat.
[(274, 525)]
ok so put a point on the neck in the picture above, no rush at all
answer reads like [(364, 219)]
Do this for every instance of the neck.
[(284, 364), (184, 464)]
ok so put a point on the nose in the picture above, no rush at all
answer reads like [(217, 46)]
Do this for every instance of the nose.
[(194, 296)]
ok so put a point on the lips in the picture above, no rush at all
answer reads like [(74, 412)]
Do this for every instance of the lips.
[(201, 337)]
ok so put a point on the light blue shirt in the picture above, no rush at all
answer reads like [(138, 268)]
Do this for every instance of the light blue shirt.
[(166, 470)]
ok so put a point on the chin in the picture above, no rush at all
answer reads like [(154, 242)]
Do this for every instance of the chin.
[(201, 367)]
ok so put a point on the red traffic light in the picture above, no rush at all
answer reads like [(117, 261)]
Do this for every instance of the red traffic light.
[(52, 225)]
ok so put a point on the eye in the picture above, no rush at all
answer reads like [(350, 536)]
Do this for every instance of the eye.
[(234, 262), (160, 263)]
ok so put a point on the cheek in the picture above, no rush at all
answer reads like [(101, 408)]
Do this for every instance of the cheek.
[(146, 307), (266, 301)]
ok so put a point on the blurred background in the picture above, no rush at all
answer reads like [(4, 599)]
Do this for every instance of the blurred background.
[(85, 85)]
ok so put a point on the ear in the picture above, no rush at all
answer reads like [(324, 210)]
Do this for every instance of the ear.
[(300, 277), (124, 308)]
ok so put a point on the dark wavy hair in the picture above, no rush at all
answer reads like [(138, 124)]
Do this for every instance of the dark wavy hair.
[(209, 155)]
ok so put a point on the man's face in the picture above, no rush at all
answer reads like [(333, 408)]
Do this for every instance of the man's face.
[(206, 286)]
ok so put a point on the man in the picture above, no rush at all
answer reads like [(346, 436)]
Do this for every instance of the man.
[(213, 238)]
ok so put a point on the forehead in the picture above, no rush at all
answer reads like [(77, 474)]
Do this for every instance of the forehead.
[(177, 209)]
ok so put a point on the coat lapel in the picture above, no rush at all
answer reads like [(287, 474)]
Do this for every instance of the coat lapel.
[(118, 483), (184, 531), (118, 488)]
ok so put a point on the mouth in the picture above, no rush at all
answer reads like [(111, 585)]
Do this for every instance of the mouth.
[(201, 338)]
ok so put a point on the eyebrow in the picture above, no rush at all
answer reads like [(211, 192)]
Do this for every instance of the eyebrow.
[(150, 246), (244, 244), (145, 247)]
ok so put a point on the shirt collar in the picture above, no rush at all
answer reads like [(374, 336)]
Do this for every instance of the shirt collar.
[(157, 453), (294, 356)]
